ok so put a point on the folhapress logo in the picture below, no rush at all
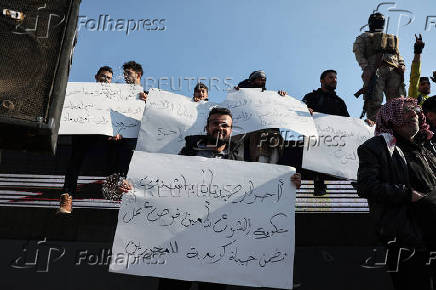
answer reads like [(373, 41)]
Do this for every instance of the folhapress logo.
[(393, 257), (104, 23), (38, 256), (395, 17)]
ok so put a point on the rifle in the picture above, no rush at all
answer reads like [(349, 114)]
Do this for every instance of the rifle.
[(368, 89)]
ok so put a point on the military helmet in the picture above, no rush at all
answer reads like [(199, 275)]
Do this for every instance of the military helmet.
[(376, 22)]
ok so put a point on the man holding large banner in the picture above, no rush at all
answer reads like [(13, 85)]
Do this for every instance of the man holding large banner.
[(96, 114), (216, 144)]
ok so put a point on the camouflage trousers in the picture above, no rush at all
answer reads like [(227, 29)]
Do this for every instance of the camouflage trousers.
[(391, 83)]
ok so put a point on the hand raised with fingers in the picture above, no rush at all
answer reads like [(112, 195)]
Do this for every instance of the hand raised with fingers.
[(419, 44)]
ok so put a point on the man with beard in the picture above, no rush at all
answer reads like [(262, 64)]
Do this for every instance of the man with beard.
[(419, 87), (123, 149), (324, 100), (216, 143), (396, 175), (132, 72)]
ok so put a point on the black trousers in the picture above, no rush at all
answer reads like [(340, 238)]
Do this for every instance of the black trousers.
[(116, 153)]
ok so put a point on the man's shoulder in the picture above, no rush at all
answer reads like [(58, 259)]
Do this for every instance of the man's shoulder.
[(245, 84), (374, 144), (363, 35), (339, 98), (311, 94), (367, 35), (190, 143)]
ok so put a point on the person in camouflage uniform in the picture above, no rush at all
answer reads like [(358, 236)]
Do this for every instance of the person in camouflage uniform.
[(383, 68)]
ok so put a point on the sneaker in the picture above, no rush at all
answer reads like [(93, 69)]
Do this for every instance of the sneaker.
[(319, 188), (65, 204)]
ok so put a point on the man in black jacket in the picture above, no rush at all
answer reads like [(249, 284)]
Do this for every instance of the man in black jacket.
[(324, 100), (216, 144), (396, 175)]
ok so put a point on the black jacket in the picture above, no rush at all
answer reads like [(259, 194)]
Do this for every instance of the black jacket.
[(195, 141), (384, 180), (327, 103)]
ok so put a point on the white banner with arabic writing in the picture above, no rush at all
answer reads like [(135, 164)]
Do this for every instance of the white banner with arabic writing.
[(199, 219), (102, 108), (335, 151), (170, 117)]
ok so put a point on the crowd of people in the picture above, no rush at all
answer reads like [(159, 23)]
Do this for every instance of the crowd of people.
[(396, 167)]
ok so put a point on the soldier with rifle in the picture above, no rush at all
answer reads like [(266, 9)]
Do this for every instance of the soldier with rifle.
[(383, 68)]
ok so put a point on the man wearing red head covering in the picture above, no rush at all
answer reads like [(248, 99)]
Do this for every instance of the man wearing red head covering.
[(397, 176)]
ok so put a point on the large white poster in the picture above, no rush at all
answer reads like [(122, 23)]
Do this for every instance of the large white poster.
[(253, 110), (169, 117), (200, 219), (335, 151), (102, 108)]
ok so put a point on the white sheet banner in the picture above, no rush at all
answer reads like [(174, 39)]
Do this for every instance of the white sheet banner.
[(335, 151), (102, 108), (169, 117), (200, 219), (254, 110)]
